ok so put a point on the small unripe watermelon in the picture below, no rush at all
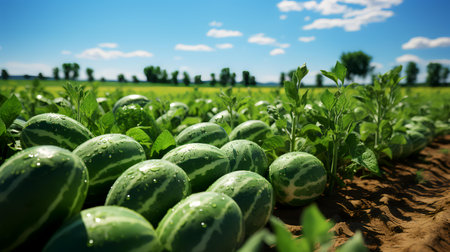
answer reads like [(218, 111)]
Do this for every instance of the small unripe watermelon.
[(150, 188), (40, 188), (105, 228), (107, 157), (205, 221), (130, 99), (203, 163), (246, 155), (209, 133), (297, 178), (253, 130), (54, 129), (252, 192)]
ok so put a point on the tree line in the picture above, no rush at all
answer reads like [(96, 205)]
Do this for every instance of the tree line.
[(359, 65)]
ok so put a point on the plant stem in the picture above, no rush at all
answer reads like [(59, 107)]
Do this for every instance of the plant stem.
[(293, 129)]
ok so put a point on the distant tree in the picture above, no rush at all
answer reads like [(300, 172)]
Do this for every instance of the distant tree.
[(148, 72), (252, 80), (411, 72), (121, 78), (433, 74), (175, 77), (157, 75), (373, 77), (186, 78), (90, 74), (246, 78), (102, 79), (56, 73), (357, 63), (27, 77), (282, 79), (164, 77), (67, 68), (41, 76), (5, 74), (213, 79), (233, 79), (224, 76), (444, 75), (75, 70), (319, 80), (198, 79), (135, 79)]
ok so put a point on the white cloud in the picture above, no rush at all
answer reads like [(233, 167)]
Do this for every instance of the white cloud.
[(351, 19), (215, 24), (277, 51), (286, 45), (307, 39), (193, 48), (376, 65), (441, 61), (66, 52), (224, 46), (407, 58), (283, 17), (108, 45), (98, 53), (286, 6), (422, 42), (260, 39), (307, 18), (221, 33), (20, 68), (177, 58)]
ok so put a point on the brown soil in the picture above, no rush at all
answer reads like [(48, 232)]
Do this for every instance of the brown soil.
[(408, 209)]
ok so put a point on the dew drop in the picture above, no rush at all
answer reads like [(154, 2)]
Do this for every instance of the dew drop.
[(155, 181), (128, 197), (110, 156), (97, 220), (90, 243), (203, 225)]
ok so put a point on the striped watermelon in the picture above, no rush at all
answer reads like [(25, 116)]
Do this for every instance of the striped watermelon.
[(203, 163), (54, 129), (418, 140), (246, 155), (133, 115), (105, 228), (252, 192), (150, 188), (40, 188), (209, 133), (297, 178), (130, 99), (205, 221), (224, 117), (178, 105), (253, 130), (107, 157)]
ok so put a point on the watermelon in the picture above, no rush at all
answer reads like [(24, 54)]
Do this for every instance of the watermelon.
[(179, 105), (203, 163), (107, 157), (418, 140), (252, 192), (246, 155), (253, 130), (262, 104), (16, 127), (130, 99), (40, 188), (105, 228), (133, 115), (103, 103), (297, 178), (150, 188), (62, 102), (209, 133), (205, 221), (54, 129), (224, 117)]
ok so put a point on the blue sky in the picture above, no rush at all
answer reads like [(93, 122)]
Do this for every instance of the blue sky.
[(265, 37)]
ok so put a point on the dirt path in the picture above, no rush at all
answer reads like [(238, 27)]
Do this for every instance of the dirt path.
[(407, 210)]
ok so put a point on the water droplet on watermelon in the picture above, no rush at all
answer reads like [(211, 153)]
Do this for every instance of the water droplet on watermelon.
[(155, 181), (98, 220), (213, 205), (203, 225), (110, 156), (128, 197), (90, 243)]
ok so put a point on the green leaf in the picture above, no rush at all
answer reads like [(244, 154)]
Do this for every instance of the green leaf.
[(291, 91), (10, 110), (315, 226), (305, 98), (352, 141), (354, 244), (311, 127), (89, 104), (327, 98), (273, 143), (366, 129), (163, 143), (2, 127), (107, 120), (366, 158), (330, 76), (398, 139), (285, 241), (139, 135), (340, 71), (281, 123), (301, 73), (386, 129), (255, 242), (388, 152), (191, 121)]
